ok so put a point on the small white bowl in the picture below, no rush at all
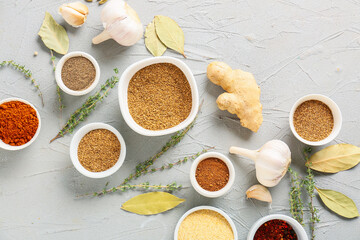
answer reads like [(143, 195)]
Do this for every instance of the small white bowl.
[(335, 112), (60, 65), (14, 148), (299, 230), (230, 221), (74, 150), (196, 185), (123, 95)]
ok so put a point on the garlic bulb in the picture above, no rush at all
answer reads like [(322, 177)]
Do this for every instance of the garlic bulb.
[(121, 23), (259, 192), (74, 13), (271, 161)]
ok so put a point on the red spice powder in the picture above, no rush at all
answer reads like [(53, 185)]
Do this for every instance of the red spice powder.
[(275, 230), (18, 123), (212, 174)]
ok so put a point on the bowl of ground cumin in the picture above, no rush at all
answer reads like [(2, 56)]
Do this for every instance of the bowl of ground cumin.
[(212, 174), (97, 150), (20, 124), (158, 96), (77, 73), (315, 119), (205, 222)]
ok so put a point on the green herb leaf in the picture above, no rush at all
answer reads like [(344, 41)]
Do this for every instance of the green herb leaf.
[(54, 35), (169, 33), (152, 203), (338, 203), (152, 42), (335, 158)]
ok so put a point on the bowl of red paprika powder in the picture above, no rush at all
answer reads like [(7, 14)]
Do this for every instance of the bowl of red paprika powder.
[(20, 124), (277, 226), (212, 174)]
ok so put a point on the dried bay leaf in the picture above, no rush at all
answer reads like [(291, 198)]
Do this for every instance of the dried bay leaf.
[(335, 158), (338, 203), (169, 33), (54, 35), (152, 42), (152, 203)]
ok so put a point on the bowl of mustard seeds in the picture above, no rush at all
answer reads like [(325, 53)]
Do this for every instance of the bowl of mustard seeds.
[(158, 96), (97, 150), (315, 119), (77, 73)]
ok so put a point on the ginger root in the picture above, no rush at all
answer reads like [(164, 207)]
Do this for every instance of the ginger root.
[(242, 95)]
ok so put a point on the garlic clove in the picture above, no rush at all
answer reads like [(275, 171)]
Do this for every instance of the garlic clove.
[(260, 193), (74, 13), (121, 23)]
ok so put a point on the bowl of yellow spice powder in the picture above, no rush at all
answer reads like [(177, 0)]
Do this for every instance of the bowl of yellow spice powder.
[(97, 150), (158, 96), (315, 119), (205, 223)]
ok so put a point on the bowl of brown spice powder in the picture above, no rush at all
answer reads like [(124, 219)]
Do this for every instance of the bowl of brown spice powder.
[(315, 119), (97, 150), (158, 96), (212, 174), (77, 73)]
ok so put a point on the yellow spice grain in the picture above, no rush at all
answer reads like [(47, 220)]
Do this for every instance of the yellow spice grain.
[(205, 225)]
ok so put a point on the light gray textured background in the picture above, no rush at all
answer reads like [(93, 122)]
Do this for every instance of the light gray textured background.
[(292, 47)]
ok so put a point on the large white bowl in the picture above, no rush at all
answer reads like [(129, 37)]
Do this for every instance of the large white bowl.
[(123, 95), (299, 230), (207, 193), (74, 150), (335, 112), (60, 65), (232, 225), (14, 148)]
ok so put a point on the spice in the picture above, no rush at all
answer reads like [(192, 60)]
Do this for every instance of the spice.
[(78, 73), (313, 120), (18, 123), (99, 150), (159, 96), (275, 230), (212, 174), (205, 225)]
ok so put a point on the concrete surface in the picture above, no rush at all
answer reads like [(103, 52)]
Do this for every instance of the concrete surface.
[(292, 47)]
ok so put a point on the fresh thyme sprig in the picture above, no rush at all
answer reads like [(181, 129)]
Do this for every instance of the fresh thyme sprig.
[(89, 105), (58, 91), (27, 73), (296, 203), (144, 186), (309, 183)]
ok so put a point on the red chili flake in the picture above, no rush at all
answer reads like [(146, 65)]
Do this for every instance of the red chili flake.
[(275, 230)]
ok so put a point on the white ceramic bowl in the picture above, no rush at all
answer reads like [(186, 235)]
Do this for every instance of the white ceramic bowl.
[(299, 230), (74, 150), (196, 185), (334, 109), (14, 148), (123, 98), (176, 233), (60, 65)]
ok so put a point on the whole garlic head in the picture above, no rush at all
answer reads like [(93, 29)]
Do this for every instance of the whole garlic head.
[(121, 23), (272, 161), (74, 13)]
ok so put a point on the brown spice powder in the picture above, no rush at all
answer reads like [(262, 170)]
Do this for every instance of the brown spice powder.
[(313, 120), (99, 150), (78, 73), (212, 174), (159, 96)]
